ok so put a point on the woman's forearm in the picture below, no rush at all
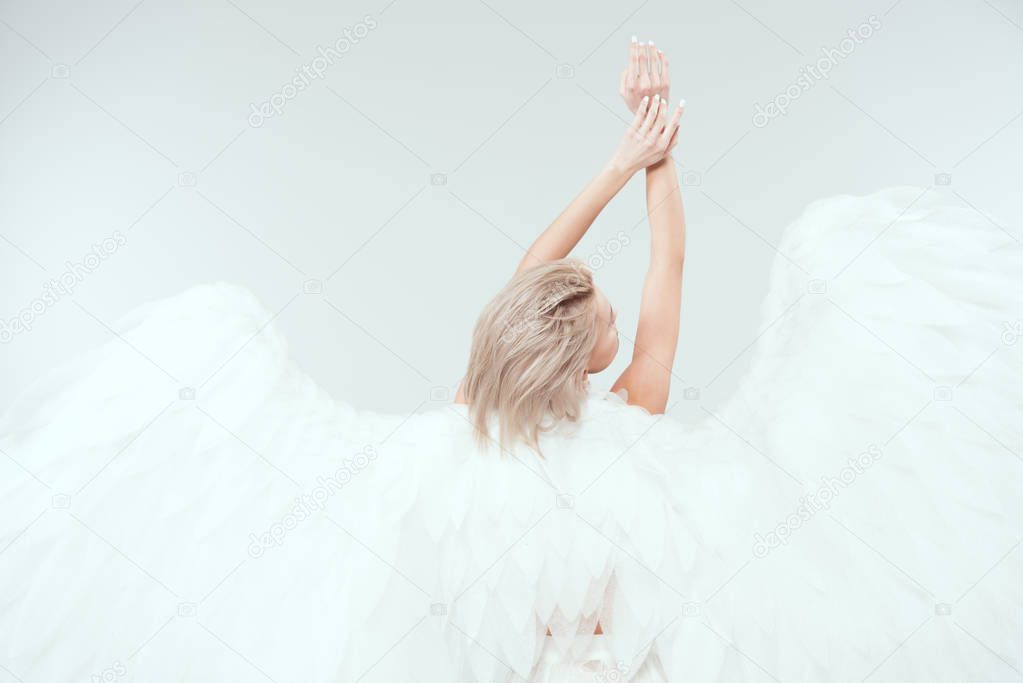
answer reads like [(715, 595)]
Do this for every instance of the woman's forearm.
[(647, 379), (646, 142), (660, 308), (666, 216), (568, 228)]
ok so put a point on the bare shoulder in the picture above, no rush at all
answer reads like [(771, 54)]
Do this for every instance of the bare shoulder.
[(646, 384)]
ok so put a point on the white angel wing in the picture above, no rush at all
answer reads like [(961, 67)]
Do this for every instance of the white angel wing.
[(836, 517), (185, 504), (884, 398), (167, 510), (271, 532)]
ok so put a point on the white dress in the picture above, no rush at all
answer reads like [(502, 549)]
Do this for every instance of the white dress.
[(184, 504)]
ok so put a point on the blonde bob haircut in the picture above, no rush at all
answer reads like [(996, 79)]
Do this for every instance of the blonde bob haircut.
[(530, 352)]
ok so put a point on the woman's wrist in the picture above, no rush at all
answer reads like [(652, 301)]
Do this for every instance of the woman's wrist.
[(660, 164), (618, 170)]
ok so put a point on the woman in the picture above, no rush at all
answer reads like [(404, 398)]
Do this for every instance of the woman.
[(536, 343), (841, 516)]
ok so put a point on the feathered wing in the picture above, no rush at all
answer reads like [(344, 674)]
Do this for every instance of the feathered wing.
[(269, 531), (883, 405), (184, 503), (852, 510), (170, 510)]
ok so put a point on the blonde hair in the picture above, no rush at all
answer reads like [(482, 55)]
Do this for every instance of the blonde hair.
[(530, 351)]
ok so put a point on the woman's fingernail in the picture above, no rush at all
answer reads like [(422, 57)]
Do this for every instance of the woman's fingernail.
[(634, 39), (664, 102), (651, 42), (682, 103)]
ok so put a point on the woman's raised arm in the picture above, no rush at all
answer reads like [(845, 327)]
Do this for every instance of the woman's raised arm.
[(568, 228), (646, 142), (639, 147), (647, 379)]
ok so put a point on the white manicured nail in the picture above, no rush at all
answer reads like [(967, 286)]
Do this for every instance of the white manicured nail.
[(634, 39), (651, 42), (682, 103)]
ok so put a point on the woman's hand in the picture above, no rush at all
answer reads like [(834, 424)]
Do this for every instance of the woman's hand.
[(649, 138), (647, 75)]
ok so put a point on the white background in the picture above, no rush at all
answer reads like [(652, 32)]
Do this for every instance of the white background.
[(107, 107)]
